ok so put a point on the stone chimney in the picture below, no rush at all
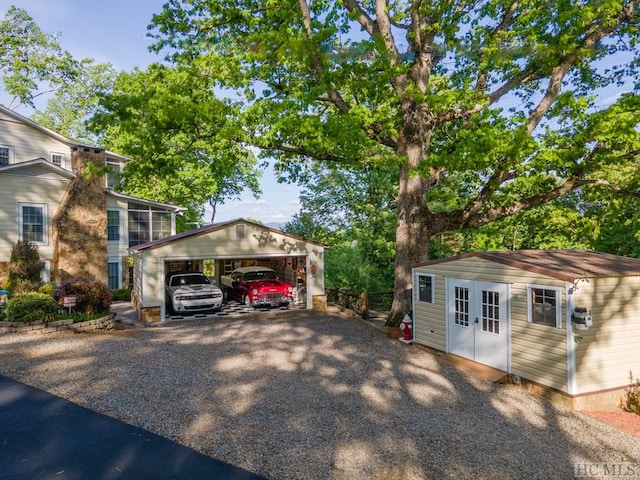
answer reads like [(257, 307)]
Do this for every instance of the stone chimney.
[(80, 223)]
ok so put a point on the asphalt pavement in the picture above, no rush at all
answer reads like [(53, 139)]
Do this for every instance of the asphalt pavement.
[(47, 437)]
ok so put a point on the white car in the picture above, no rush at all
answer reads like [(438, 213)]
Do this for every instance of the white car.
[(191, 292)]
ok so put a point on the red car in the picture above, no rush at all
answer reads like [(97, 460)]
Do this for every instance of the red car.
[(256, 287)]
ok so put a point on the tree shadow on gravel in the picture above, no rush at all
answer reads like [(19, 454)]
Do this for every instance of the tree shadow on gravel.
[(311, 395)]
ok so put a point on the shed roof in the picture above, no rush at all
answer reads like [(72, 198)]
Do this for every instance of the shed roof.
[(565, 265), (212, 228)]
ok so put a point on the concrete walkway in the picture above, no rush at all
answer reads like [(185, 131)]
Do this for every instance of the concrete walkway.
[(43, 437)]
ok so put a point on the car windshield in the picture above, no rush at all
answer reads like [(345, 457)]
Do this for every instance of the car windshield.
[(261, 275), (192, 279)]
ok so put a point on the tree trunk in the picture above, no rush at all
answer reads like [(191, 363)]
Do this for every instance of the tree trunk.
[(412, 234)]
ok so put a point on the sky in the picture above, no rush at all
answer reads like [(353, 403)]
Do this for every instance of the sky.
[(115, 31)]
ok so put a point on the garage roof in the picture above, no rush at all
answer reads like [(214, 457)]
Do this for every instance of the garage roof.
[(212, 228), (565, 265)]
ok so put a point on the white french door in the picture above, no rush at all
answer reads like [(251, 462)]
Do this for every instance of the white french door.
[(478, 321)]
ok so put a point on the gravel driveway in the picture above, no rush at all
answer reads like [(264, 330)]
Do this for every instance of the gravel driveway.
[(314, 396)]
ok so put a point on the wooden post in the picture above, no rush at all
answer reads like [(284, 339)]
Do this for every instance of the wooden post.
[(364, 302)]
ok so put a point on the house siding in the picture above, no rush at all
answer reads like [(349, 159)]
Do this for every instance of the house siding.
[(28, 143), (538, 352), (40, 189), (607, 351)]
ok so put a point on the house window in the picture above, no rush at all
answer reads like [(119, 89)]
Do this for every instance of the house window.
[(6, 155), (32, 223), (113, 225), (147, 223), (113, 173), (161, 225), (58, 159), (113, 267), (139, 228), (426, 288), (544, 305)]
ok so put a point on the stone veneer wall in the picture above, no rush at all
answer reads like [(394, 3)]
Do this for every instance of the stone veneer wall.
[(80, 223)]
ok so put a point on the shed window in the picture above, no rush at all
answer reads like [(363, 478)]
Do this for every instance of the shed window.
[(240, 231), (544, 305), (425, 288)]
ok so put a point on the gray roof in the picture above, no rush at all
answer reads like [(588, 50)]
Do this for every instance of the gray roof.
[(565, 265)]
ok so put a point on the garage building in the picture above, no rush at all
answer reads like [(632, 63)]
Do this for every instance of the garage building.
[(220, 248)]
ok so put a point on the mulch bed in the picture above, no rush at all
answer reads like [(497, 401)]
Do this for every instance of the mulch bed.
[(625, 421)]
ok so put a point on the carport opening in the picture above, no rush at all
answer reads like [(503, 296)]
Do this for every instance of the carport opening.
[(291, 270)]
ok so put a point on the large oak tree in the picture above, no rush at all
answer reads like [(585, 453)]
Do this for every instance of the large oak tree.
[(499, 101)]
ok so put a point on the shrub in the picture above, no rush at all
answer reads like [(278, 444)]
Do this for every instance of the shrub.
[(122, 294), (31, 307), (47, 288), (91, 296), (24, 266), (632, 401), (3, 312)]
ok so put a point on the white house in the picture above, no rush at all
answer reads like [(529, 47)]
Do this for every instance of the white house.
[(82, 226)]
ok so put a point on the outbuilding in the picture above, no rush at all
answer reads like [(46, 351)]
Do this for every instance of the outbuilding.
[(563, 322), (220, 248)]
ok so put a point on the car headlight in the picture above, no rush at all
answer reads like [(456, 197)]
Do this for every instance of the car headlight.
[(255, 291)]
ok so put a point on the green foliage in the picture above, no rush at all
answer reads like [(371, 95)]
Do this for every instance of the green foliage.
[(24, 267), (91, 296), (631, 403), (31, 60), (486, 109), (186, 151), (347, 268), (73, 104), (31, 307), (351, 209), (3, 312), (48, 288), (121, 295)]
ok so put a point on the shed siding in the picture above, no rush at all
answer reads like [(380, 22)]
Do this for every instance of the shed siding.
[(21, 189), (430, 330), (609, 349), (538, 353)]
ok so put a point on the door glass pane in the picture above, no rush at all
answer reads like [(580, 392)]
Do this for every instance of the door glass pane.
[(461, 306), (491, 312)]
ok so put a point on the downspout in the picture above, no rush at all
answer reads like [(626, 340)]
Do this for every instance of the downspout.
[(571, 345)]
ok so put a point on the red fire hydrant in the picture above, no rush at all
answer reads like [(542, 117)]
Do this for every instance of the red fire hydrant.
[(407, 329)]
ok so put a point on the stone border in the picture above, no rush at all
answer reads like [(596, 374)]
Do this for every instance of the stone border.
[(99, 324)]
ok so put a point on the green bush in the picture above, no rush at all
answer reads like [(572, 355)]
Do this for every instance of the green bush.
[(632, 401), (31, 307), (122, 294), (47, 289), (91, 296), (3, 312), (24, 267)]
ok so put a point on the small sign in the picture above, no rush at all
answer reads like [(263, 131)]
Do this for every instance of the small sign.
[(69, 301)]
